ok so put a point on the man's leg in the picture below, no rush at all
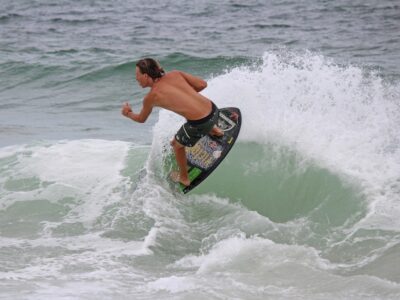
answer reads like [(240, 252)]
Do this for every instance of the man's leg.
[(180, 155)]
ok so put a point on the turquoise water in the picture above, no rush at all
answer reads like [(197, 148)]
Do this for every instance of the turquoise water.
[(305, 206)]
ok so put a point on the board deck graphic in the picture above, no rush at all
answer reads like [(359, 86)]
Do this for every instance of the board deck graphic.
[(210, 151)]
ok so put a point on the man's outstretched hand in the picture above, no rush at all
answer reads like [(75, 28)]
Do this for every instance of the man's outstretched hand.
[(126, 109)]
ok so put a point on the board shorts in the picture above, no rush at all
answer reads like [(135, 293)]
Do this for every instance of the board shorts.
[(192, 131)]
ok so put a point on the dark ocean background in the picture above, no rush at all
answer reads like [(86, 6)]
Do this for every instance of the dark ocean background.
[(306, 205)]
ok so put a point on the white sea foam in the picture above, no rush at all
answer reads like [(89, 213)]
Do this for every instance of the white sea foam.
[(173, 284), (341, 117), (88, 169), (344, 119), (260, 268)]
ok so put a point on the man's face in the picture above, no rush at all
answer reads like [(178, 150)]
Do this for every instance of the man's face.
[(142, 79)]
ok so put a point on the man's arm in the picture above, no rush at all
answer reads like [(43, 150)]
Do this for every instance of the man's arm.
[(144, 113), (197, 83)]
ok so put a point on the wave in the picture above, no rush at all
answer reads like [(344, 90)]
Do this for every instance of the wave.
[(318, 151), (76, 21), (172, 61), (337, 118), (309, 193), (9, 17), (76, 87)]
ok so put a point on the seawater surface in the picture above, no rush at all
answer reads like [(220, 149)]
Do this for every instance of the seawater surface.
[(306, 205)]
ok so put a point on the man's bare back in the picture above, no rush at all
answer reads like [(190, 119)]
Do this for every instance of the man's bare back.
[(179, 92)]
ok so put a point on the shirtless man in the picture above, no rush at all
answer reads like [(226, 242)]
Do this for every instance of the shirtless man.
[(179, 92)]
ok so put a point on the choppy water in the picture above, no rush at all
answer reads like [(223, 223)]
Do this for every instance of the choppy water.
[(306, 206)]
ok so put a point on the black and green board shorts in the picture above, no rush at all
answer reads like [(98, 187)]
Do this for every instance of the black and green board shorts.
[(192, 131)]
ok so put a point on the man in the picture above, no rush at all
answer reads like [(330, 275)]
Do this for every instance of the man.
[(179, 92)]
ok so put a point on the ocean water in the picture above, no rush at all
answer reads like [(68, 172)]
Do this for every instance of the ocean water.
[(305, 206)]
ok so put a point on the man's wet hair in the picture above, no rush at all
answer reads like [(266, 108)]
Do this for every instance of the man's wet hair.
[(150, 67)]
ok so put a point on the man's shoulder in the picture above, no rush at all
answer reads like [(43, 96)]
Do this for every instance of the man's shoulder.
[(173, 78), (174, 73)]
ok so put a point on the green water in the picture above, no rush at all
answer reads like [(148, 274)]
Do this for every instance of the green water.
[(283, 186)]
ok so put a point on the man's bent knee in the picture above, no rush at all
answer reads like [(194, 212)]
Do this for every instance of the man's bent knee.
[(175, 144)]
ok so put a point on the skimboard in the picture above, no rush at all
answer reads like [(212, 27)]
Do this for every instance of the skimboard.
[(204, 157)]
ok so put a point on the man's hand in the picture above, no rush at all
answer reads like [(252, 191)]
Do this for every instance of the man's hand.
[(126, 109)]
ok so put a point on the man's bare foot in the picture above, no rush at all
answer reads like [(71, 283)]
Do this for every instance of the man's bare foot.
[(177, 178), (215, 131)]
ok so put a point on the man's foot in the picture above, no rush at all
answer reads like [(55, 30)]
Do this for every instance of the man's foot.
[(234, 116), (177, 178), (215, 131)]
